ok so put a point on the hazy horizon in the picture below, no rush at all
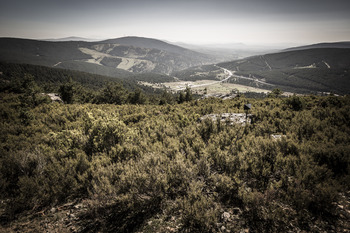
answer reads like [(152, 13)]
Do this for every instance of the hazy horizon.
[(252, 22)]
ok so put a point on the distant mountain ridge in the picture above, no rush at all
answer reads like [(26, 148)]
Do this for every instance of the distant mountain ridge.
[(71, 38), (339, 45), (131, 54)]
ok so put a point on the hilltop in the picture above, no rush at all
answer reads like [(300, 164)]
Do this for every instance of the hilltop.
[(150, 43), (70, 38), (109, 57)]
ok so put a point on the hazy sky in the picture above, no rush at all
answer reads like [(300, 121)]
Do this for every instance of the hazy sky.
[(191, 21)]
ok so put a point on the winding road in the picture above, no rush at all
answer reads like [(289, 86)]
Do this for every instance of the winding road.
[(229, 74), (252, 79), (226, 71)]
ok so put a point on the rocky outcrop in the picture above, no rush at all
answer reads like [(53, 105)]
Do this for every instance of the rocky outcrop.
[(54, 97), (229, 118)]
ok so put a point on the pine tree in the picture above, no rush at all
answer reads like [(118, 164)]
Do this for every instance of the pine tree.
[(67, 91)]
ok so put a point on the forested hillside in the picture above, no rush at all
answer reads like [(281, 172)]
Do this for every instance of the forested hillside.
[(55, 76), (156, 168), (80, 86), (303, 71)]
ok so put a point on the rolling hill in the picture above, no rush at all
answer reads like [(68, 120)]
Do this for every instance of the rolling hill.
[(150, 43), (110, 57), (299, 70), (329, 58), (338, 45)]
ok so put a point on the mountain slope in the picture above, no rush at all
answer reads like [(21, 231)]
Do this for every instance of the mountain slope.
[(315, 70), (339, 45), (334, 58), (40, 52), (149, 43), (138, 55)]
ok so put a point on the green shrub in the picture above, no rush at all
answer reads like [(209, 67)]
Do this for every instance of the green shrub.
[(198, 209), (295, 102)]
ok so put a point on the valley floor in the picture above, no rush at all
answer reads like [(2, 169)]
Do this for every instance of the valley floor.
[(210, 87)]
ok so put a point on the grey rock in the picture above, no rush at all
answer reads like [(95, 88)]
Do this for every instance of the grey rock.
[(226, 216)]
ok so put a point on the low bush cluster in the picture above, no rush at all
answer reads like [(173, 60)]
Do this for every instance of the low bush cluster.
[(148, 167)]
